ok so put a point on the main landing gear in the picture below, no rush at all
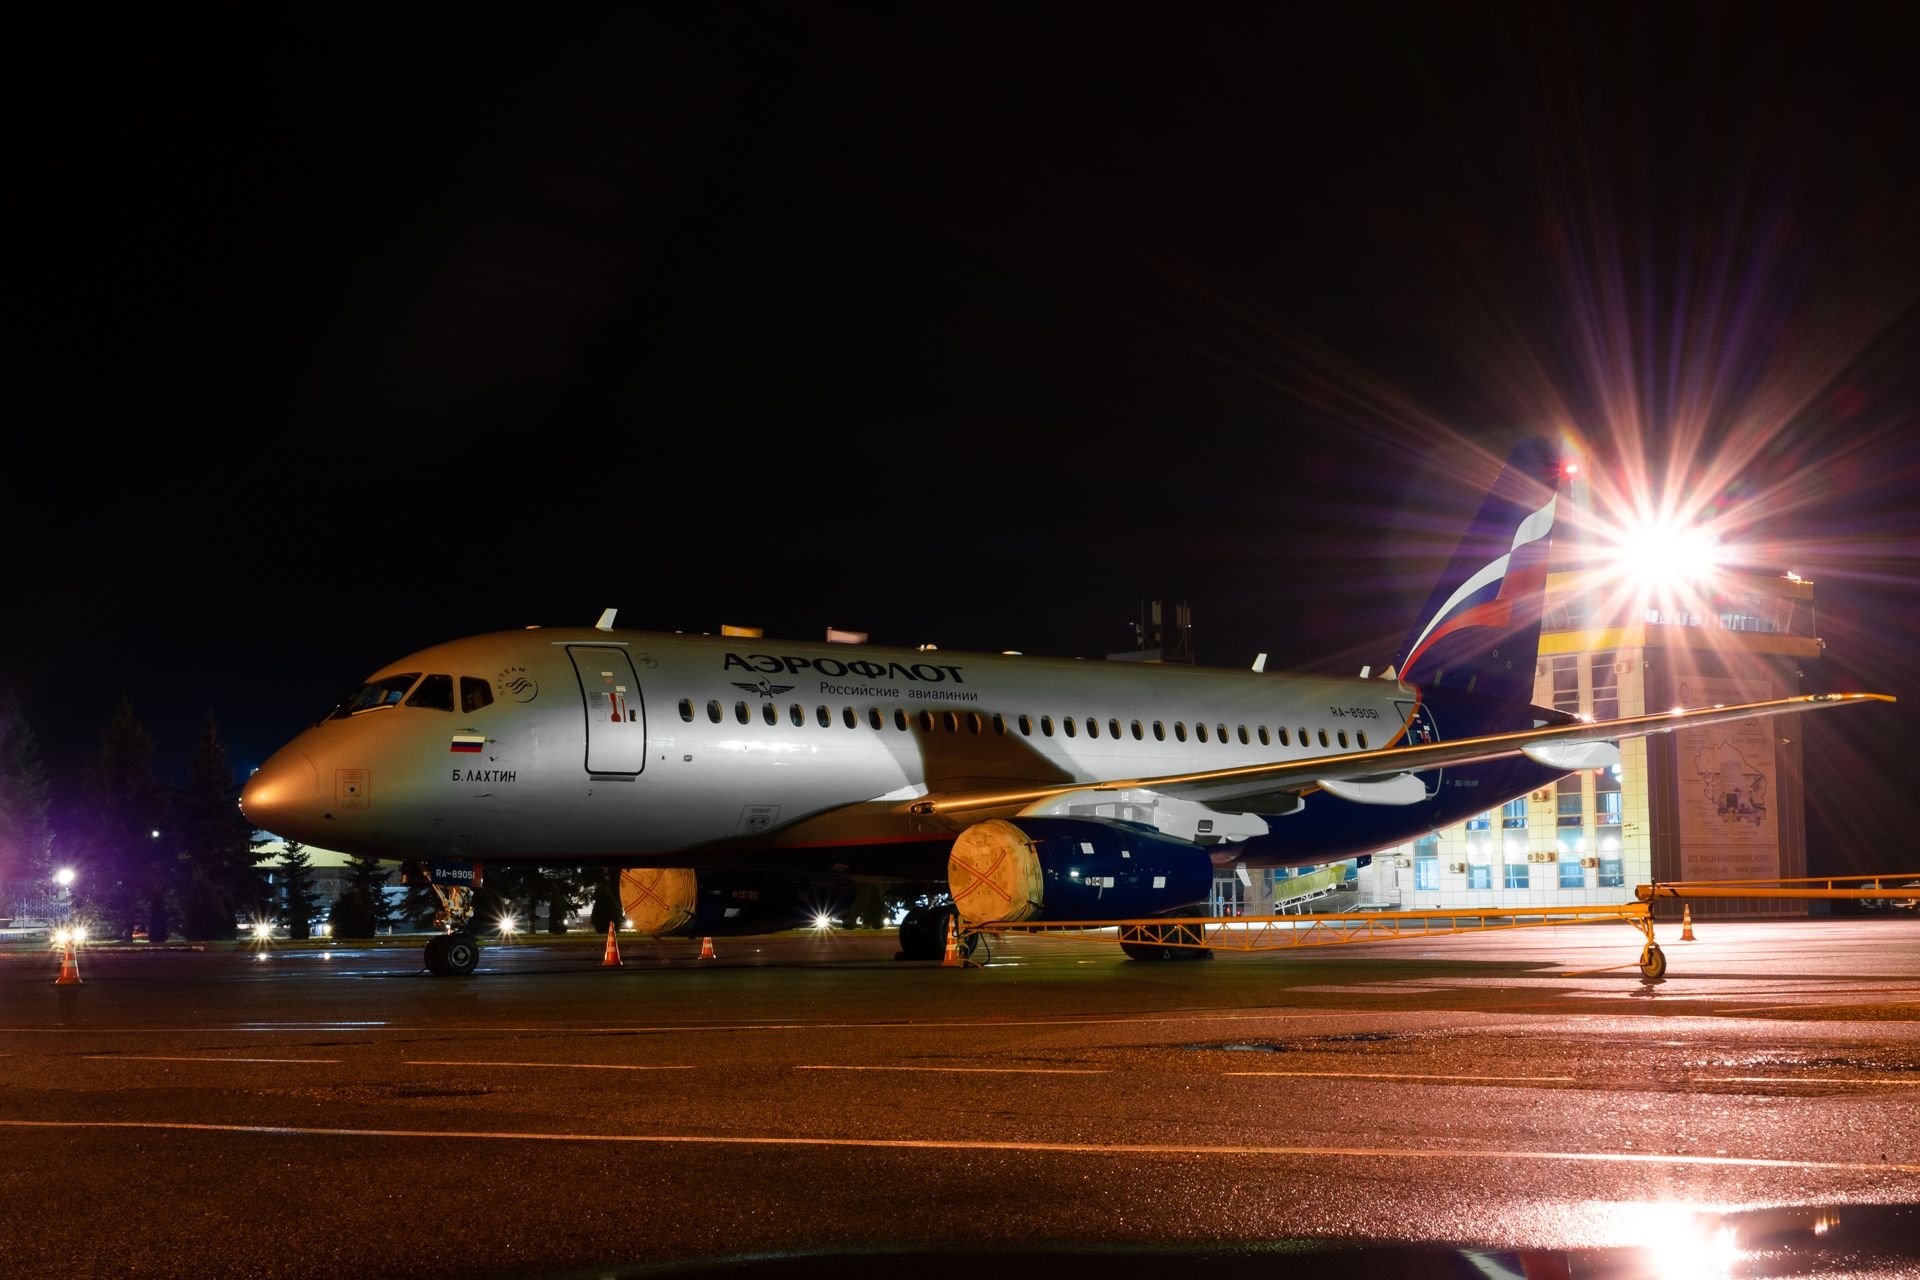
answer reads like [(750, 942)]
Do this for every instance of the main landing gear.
[(923, 934)]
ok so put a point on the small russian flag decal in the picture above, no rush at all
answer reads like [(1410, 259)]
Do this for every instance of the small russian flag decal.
[(467, 742)]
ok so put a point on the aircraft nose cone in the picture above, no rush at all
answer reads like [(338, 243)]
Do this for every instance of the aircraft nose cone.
[(282, 795)]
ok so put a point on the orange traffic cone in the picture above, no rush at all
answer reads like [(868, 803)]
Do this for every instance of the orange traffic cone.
[(69, 968), (612, 959), (706, 949), (953, 959), (1686, 923)]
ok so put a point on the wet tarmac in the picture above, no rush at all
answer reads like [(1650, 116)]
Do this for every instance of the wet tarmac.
[(297, 1112)]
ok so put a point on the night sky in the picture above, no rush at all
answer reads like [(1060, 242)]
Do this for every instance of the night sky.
[(336, 334)]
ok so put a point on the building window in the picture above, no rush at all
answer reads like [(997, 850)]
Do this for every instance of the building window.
[(1606, 686), (1606, 798), (1516, 875), (1564, 669), (1482, 823), (1479, 876), (1572, 874), (1513, 815), (1612, 873), (1426, 862)]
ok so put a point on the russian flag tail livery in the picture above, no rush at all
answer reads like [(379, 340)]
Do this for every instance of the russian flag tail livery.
[(1480, 630)]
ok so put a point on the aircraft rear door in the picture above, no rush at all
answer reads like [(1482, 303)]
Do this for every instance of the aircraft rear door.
[(1421, 730), (616, 716)]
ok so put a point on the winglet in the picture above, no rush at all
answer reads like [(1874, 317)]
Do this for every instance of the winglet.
[(606, 620)]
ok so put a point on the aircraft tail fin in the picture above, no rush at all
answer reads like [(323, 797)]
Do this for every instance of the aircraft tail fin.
[(1480, 630)]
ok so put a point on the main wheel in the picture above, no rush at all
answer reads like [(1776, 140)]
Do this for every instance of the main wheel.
[(1136, 949), (1653, 961), (461, 955)]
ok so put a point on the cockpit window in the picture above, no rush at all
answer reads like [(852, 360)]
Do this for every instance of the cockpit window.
[(435, 694), (475, 694), (380, 693)]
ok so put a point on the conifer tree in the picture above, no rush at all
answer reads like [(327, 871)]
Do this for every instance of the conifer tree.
[(215, 878), (298, 900), (26, 833), (123, 876)]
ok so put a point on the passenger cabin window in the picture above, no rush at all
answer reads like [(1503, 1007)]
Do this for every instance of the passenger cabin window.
[(1361, 735), (713, 710), (381, 693), (847, 716), (1286, 739), (798, 715), (1046, 726), (1265, 741), (1323, 738), (1223, 734), (740, 713), (435, 694), (1343, 739), (823, 716), (1200, 732), (951, 721), (999, 724), (1067, 724), (1159, 732), (1243, 735), (475, 694), (1180, 730), (1026, 726), (1113, 727), (874, 719), (686, 709), (1138, 735), (769, 713), (926, 722), (900, 719), (1093, 726)]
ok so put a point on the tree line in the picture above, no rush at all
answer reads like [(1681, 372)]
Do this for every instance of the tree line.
[(182, 861)]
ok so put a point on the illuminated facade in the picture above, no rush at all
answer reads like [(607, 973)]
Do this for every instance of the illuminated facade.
[(1716, 803)]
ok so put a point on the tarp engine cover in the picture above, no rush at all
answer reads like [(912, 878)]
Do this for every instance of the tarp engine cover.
[(668, 902), (1073, 869)]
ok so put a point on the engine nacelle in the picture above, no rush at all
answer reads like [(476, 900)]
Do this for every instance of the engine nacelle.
[(1073, 869), (677, 902)]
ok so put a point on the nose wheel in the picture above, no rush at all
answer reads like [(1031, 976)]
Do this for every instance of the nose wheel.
[(453, 955)]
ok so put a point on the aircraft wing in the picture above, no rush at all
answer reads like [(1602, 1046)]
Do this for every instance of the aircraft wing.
[(1378, 774)]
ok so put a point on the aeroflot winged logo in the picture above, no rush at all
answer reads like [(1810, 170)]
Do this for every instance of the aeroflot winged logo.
[(764, 689)]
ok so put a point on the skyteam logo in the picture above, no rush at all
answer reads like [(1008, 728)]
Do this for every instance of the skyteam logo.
[(1488, 597)]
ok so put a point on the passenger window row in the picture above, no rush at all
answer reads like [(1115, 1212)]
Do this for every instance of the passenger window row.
[(973, 722)]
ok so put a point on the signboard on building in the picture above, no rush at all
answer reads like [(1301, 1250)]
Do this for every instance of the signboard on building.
[(1726, 776)]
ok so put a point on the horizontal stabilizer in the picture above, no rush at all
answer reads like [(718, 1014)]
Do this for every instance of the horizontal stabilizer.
[(1399, 788), (1570, 756)]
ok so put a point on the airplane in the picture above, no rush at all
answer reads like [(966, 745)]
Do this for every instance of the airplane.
[(734, 779)]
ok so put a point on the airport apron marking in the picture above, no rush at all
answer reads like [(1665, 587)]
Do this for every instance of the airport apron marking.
[(951, 1145)]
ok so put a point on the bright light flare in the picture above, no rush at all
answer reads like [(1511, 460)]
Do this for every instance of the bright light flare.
[(63, 877), (1663, 556), (822, 920), (507, 925)]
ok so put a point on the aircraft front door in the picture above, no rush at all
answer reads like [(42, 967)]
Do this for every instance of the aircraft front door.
[(616, 716)]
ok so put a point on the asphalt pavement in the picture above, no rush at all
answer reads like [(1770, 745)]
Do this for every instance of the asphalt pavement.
[(313, 1111)]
